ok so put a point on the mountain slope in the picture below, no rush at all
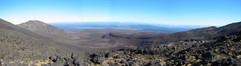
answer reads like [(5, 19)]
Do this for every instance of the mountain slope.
[(23, 47), (204, 33), (229, 29), (6, 25), (43, 28)]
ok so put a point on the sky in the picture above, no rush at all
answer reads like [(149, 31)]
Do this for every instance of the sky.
[(171, 12)]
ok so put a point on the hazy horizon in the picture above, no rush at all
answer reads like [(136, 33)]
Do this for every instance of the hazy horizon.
[(170, 12)]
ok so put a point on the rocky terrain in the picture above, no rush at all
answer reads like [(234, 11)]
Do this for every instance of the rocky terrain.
[(205, 46), (225, 50), (35, 43)]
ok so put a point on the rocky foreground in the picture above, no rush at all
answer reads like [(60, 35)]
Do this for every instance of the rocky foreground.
[(225, 50)]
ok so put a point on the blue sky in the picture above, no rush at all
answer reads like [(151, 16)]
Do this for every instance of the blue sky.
[(172, 12)]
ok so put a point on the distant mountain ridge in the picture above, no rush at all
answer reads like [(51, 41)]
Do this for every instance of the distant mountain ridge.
[(113, 25)]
